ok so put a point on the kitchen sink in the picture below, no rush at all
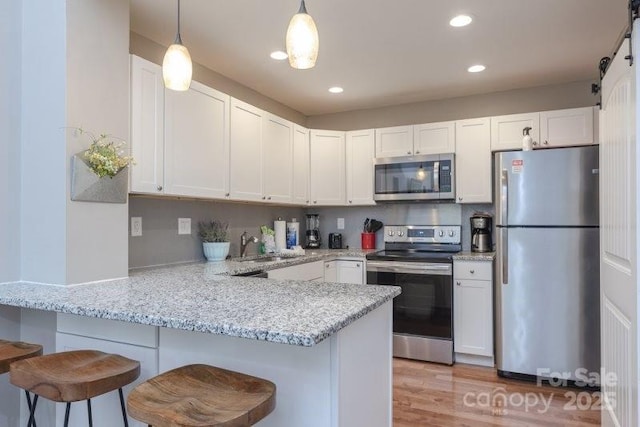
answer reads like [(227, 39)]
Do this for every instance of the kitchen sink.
[(261, 259)]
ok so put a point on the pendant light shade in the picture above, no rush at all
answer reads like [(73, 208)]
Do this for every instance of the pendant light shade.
[(176, 65), (302, 40)]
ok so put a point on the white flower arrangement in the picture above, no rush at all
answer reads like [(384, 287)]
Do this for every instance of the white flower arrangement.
[(105, 156)]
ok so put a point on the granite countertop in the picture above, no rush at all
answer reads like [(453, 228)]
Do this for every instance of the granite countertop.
[(204, 297), (474, 256)]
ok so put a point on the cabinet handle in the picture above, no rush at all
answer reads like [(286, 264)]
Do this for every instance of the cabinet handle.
[(409, 152), (269, 198), (326, 266), (159, 187), (546, 143), (307, 202), (535, 142), (350, 201), (358, 265), (472, 271), (315, 201), (458, 283), (264, 197), (227, 195), (460, 199), (417, 152)]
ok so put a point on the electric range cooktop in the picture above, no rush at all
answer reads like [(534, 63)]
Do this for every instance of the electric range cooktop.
[(419, 243)]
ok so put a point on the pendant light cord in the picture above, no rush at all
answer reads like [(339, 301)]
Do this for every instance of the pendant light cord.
[(303, 7), (178, 38)]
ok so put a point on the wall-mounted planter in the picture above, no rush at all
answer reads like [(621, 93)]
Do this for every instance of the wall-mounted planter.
[(86, 186)]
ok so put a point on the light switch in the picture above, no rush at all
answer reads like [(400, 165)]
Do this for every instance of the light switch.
[(184, 225), (340, 223), (136, 226)]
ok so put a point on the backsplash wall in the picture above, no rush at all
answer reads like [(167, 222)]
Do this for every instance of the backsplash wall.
[(160, 243), (395, 214)]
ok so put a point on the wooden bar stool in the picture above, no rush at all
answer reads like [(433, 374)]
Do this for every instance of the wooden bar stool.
[(72, 376), (12, 351), (203, 396)]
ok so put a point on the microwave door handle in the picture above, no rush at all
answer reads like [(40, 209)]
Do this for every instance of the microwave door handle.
[(436, 177)]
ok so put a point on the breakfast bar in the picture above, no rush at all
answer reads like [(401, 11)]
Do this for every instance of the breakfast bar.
[(326, 346)]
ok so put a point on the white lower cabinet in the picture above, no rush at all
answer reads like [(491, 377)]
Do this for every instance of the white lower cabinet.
[(310, 271), (344, 271), (473, 312), (109, 336)]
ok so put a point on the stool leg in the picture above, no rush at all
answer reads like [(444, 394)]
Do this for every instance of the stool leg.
[(26, 392), (124, 410), (32, 410), (89, 412), (66, 415)]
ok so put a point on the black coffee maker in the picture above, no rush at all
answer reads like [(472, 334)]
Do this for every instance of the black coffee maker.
[(481, 224)]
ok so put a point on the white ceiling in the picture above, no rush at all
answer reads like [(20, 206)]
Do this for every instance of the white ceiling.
[(387, 52)]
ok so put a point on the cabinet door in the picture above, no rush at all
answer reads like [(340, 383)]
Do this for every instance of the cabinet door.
[(304, 272), (246, 151), (327, 168), (330, 271), (473, 161), (197, 142), (360, 154), (566, 127), (394, 141), (507, 131), (277, 165), (473, 317), (434, 138), (300, 165), (147, 126), (350, 272)]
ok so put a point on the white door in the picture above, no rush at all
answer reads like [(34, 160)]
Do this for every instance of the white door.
[(197, 142), (147, 126), (277, 164), (618, 240), (434, 138), (394, 141), (327, 168), (300, 165), (507, 131), (572, 126), (246, 151), (473, 317), (360, 153), (473, 161)]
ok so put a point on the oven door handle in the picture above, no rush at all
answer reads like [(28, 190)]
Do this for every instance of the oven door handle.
[(409, 268)]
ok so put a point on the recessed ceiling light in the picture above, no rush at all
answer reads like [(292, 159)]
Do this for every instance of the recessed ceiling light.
[(336, 89), (279, 55), (476, 68), (460, 21)]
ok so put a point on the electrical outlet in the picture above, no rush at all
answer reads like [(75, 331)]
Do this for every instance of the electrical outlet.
[(340, 223), (136, 226), (184, 225)]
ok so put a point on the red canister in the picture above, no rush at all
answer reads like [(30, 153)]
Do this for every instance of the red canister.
[(368, 240)]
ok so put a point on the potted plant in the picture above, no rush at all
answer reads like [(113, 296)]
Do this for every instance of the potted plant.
[(213, 235)]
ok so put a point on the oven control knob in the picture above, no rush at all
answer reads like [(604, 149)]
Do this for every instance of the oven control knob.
[(452, 233), (390, 233), (400, 233), (441, 233)]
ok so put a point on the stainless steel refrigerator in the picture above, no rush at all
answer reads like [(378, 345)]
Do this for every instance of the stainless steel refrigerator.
[(548, 274)]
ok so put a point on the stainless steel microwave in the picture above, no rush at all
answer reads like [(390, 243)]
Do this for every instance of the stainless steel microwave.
[(430, 177)]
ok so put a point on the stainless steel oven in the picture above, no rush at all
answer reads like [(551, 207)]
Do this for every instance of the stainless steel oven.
[(419, 259)]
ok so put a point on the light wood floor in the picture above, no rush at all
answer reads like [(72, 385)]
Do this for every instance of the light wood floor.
[(428, 394)]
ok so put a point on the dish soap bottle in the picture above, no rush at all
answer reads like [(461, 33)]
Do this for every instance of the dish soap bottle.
[(527, 140)]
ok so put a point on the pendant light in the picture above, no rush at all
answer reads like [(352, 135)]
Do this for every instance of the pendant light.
[(176, 66), (302, 40)]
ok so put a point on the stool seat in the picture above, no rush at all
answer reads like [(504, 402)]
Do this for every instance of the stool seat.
[(74, 375), (202, 396), (12, 351)]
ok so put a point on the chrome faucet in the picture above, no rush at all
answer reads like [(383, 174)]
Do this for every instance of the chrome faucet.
[(244, 242)]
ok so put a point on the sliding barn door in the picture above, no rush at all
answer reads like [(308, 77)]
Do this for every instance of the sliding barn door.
[(619, 239)]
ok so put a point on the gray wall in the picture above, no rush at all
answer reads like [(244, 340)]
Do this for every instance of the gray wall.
[(10, 78), (154, 52), (160, 243), (394, 214), (492, 104)]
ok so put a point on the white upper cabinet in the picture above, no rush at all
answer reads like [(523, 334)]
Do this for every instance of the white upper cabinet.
[(360, 154), (246, 151), (566, 127), (277, 149), (473, 161), (327, 151), (394, 142), (507, 131), (197, 142), (147, 126), (434, 138), (300, 165)]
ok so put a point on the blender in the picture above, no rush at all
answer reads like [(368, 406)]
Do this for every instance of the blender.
[(313, 231)]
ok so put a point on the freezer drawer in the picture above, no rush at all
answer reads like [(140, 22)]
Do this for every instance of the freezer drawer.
[(547, 305)]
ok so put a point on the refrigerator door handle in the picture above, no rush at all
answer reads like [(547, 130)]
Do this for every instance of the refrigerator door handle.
[(504, 214)]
